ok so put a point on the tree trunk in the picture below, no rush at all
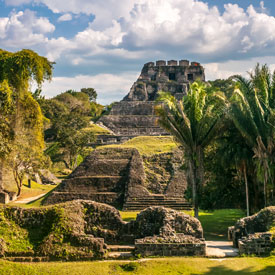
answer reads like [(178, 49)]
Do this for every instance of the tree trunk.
[(246, 189), (1, 175), (255, 201), (265, 185), (192, 173)]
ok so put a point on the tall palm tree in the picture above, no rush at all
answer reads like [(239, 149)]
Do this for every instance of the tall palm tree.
[(194, 121), (236, 153), (253, 113)]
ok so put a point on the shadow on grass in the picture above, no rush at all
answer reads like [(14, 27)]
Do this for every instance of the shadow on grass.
[(215, 223), (222, 270), (42, 199)]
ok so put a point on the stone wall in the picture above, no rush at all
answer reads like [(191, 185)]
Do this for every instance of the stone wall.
[(7, 184), (251, 234), (82, 229), (180, 246), (256, 244)]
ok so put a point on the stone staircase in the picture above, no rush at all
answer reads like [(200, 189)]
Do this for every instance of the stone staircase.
[(101, 178), (120, 251), (24, 257), (155, 200)]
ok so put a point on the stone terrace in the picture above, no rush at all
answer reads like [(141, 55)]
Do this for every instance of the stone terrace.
[(116, 176)]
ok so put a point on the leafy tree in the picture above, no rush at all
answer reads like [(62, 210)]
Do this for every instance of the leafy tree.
[(234, 153), (91, 92), (75, 102), (17, 70), (6, 112), (71, 139), (252, 110), (96, 110), (25, 159), (194, 122)]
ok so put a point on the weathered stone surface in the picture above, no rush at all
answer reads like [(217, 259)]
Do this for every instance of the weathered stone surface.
[(256, 244), (166, 222), (7, 196), (171, 77), (80, 230), (163, 168), (157, 246), (117, 176), (259, 222), (4, 197), (250, 233), (171, 233), (134, 115), (46, 177)]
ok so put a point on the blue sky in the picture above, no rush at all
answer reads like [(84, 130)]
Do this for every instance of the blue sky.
[(104, 44)]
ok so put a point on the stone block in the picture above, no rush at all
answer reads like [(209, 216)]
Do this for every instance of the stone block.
[(161, 63), (172, 63), (184, 63), (4, 197)]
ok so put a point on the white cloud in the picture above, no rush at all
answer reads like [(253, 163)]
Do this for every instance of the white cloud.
[(65, 17), (181, 27), (17, 2), (105, 11), (110, 87), (217, 71), (24, 29)]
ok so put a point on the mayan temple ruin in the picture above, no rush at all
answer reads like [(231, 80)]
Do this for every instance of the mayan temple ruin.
[(121, 176), (134, 115)]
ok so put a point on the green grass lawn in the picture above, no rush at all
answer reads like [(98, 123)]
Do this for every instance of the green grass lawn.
[(214, 223), (156, 266), (147, 145)]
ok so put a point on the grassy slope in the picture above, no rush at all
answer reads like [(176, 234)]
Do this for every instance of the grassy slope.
[(158, 266), (97, 130), (147, 145)]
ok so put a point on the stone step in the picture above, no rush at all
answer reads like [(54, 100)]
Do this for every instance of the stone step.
[(26, 259), (120, 255), (107, 197), (108, 168), (93, 183), (158, 202), (163, 205), (220, 249), (141, 207), (121, 248)]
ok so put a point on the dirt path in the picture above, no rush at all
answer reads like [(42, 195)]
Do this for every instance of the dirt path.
[(26, 200), (220, 249)]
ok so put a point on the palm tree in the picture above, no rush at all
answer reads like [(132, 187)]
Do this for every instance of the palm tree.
[(235, 152), (253, 113), (194, 121)]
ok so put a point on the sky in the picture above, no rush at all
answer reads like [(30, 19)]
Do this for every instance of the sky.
[(104, 43)]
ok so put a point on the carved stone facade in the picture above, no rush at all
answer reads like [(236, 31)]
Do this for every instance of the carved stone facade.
[(171, 76), (134, 115)]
